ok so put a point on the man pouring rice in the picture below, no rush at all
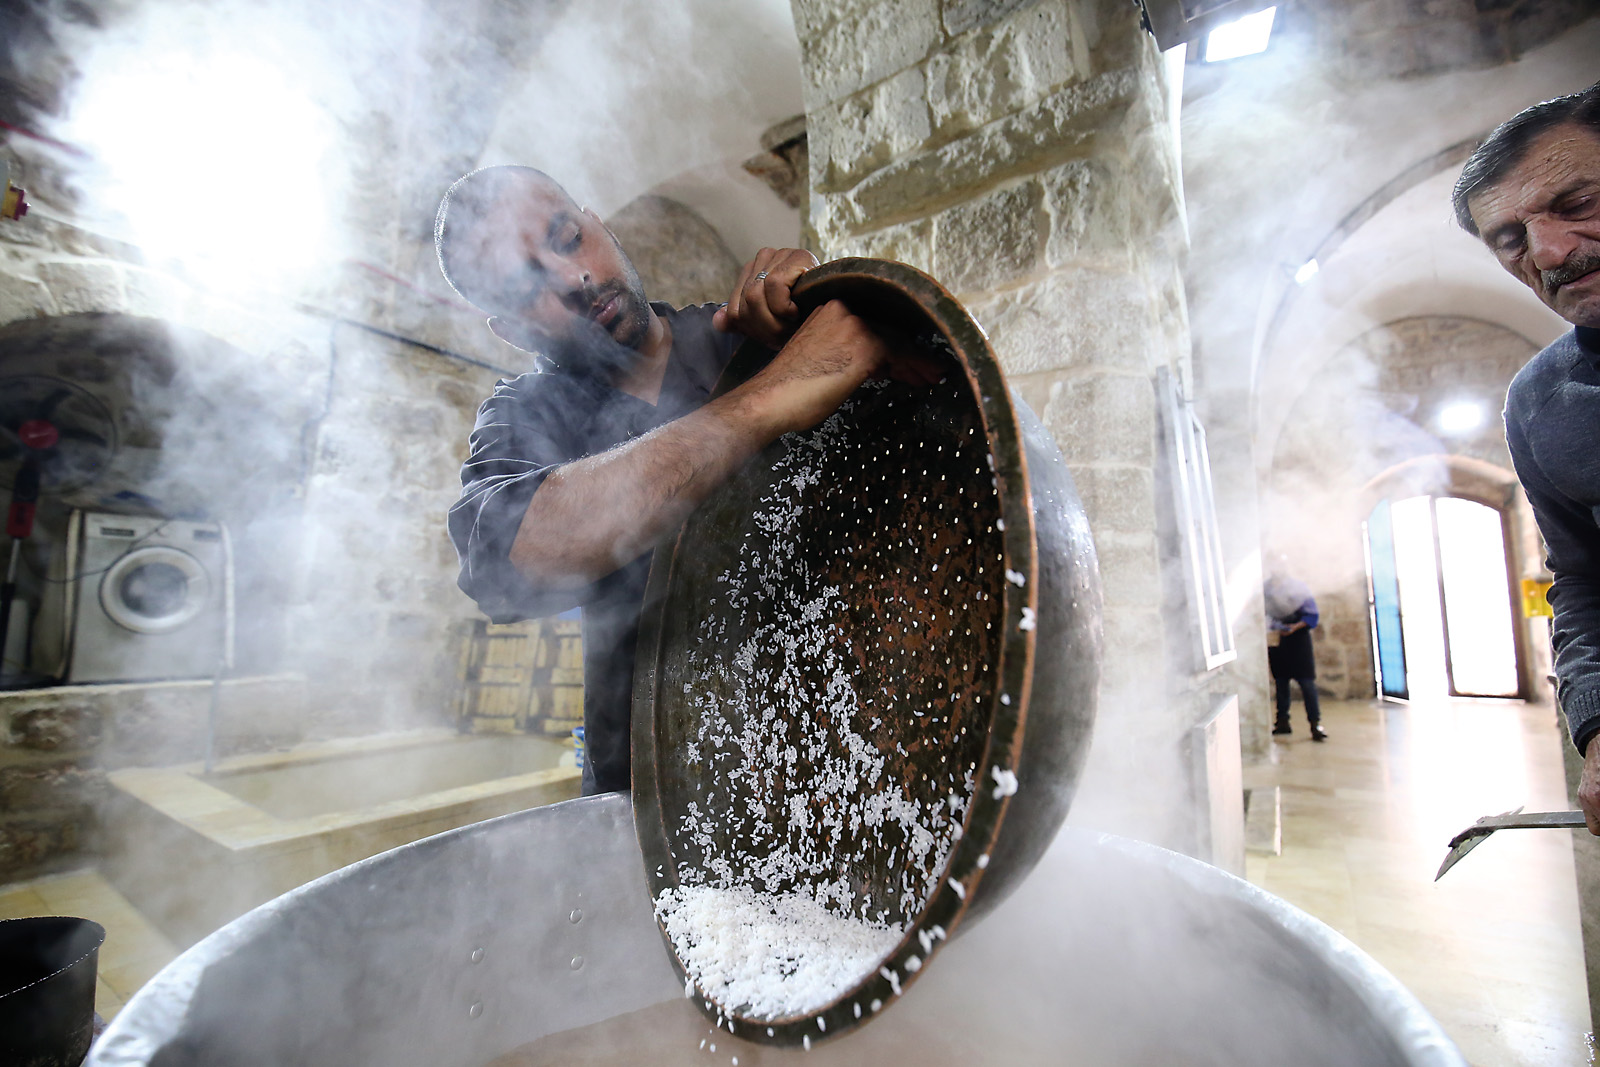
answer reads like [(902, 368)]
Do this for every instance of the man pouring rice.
[(578, 468)]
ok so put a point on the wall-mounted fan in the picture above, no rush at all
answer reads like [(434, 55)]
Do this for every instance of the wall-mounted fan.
[(55, 437)]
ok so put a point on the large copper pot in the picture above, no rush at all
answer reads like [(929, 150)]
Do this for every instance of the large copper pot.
[(965, 598)]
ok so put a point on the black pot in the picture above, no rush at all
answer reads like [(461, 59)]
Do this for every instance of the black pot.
[(47, 975)]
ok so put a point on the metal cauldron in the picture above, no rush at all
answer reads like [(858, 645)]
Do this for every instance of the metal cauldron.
[(470, 946), (456, 950), (966, 604), (47, 979)]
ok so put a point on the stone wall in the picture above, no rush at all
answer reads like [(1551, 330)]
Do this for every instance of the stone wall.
[(680, 258), (1021, 153)]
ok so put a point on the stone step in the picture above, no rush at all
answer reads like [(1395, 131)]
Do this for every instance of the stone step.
[(1263, 820)]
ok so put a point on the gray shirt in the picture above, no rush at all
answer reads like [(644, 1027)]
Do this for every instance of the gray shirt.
[(1553, 429)]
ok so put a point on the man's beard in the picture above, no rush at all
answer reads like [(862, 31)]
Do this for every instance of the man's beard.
[(1577, 265), (589, 350)]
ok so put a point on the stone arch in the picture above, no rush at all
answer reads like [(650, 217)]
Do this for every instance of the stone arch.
[(1344, 650), (681, 258), (1445, 475), (1364, 424), (1392, 379), (1444, 159), (1373, 407)]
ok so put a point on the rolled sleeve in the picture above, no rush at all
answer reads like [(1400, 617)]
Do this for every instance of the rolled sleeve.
[(519, 438)]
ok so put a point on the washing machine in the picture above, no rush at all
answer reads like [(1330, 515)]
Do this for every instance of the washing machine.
[(149, 599)]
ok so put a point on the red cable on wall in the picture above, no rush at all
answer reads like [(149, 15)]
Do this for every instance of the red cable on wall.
[(42, 139)]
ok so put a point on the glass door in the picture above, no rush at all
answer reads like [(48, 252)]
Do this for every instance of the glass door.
[(1383, 604)]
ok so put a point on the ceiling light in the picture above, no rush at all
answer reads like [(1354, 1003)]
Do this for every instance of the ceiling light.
[(220, 160), (1244, 37), (1461, 417)]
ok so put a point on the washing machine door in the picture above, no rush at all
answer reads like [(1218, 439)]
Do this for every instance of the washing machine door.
[(154, 590)]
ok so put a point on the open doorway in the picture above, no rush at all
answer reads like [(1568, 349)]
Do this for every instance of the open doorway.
[(1439, 593)]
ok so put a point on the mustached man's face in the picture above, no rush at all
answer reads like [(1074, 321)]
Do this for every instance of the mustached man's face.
[(1542, 222), (556, 280)]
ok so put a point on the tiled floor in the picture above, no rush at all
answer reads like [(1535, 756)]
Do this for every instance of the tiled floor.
[(1493, 949), (133, 950)]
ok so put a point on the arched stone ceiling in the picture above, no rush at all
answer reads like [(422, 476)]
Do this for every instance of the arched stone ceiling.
[(1410, 259)]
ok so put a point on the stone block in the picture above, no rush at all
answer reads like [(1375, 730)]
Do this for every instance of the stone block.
[(1349, 632), (52, 786), (866, 45), (1117, 499), (680, 257), (1103, 418), (910, 243), (83, 286), (37, 234), (869, 129), (463, 396), (26, 845), (1000, 69), (993, 241), (1148, 175), (963, 15), (1032, 390), (1263, 823), (50, 728), (1072, 321), (77, 242), (1134, 664), (570, 653), (1062, 127), (1130, 568), (812, 17), (1443, 44), (1089, 215), (153, 294), (23, 298)]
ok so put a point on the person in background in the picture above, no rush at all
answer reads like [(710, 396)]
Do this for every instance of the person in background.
[(1291, 616), (1531, 193)]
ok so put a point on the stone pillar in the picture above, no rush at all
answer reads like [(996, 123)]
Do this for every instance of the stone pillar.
[(1021, 153)]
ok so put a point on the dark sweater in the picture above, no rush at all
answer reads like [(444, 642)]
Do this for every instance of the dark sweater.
[(1553, 429), (530, 426)]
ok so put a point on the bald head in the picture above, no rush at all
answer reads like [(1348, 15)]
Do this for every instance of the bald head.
[(548, 272), (477, 202)]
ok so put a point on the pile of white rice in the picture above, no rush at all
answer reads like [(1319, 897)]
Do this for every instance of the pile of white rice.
[(774, 954), (768, 924)]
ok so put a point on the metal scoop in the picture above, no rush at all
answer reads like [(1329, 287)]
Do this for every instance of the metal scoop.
[(1478, 832)]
